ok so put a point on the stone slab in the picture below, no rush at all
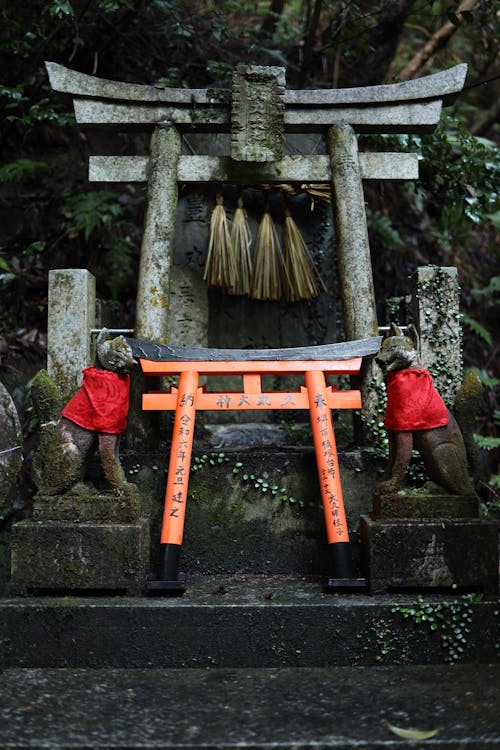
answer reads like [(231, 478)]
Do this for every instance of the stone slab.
[(195, 168), (66, 557), (86, 508), (11, 452), (446, 84), (430, 554), (71, 318), (408, 117), (222, 708), (417, 505), (241, 622)]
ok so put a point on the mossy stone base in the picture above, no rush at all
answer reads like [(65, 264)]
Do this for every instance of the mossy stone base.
[(419, 505), (64, 557), (432, 554), (87, 507)]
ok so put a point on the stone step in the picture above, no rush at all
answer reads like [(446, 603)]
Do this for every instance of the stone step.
[(336, 707), (247, 622)]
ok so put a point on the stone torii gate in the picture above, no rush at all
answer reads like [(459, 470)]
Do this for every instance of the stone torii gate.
[(258, 112)]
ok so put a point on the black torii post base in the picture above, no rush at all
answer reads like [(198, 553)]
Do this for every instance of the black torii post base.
[(344, 578), (170, 580)]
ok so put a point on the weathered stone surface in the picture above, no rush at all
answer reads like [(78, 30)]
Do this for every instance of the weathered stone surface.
[(11, 451), (256, 510), (240, 622), (71, 317), (257, 111), (326, 354), (153, 291), (418, 504), (372, 165), (188, 308), (437, 319), (430, 554), (353, 250), (65, 557), (87, 506), (342, 708), (446, 84), (389, 118)]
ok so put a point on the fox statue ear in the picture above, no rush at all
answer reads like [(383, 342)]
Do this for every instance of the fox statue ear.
[(103, 337), (395, 330), (412, 333)]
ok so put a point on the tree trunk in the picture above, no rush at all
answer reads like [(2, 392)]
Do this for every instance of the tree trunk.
[(436, 42), (384, 40), (309, 41), (272, 17)]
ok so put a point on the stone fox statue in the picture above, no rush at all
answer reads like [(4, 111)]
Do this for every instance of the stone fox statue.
[(96, 413), (417, 418)]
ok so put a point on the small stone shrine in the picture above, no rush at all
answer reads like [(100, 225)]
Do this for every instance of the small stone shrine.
[(98, 542)]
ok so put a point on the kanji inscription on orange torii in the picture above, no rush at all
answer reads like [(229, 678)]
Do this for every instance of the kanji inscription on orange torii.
[(315, 395)]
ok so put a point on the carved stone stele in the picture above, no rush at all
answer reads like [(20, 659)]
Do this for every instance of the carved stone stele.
[(257, 116)]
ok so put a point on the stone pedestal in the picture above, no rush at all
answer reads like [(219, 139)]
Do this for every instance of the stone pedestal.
[(435, 542), (81, 543)]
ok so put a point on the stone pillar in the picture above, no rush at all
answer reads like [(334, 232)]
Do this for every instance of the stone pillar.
[(71, 317), (437, 320), (353, 249), (153, 291), (11, 452), (155, 274)]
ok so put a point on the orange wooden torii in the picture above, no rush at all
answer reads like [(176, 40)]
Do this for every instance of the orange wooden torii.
[(188, 398)]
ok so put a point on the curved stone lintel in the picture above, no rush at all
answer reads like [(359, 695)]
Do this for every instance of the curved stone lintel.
[(335, 352), (444, 85)]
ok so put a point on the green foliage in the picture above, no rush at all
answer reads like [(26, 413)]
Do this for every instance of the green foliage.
[(6, 273), (382, 226), (450, 619), (19, 169), (259, 483), (486, 295), (478, 328), (58, 9), (102, 216), (487, 442), (460, 178), (91, 210)]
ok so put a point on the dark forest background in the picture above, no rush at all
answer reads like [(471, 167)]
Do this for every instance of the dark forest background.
[(52, 217)]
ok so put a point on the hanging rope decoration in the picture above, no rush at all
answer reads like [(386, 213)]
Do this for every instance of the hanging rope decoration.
[(241, 239), (220, 265), (270, 279), (305, 281), (276, 273)]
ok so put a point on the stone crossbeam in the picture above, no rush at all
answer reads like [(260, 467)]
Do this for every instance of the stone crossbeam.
[(373, 166), (446, 85), (410, 106), (408, 117)]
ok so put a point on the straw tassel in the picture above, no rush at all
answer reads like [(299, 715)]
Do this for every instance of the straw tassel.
[(270, 279), (305, 280), (241, 239), (220, 265)]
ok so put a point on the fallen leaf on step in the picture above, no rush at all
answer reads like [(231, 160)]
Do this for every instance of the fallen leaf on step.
[(412, 734)]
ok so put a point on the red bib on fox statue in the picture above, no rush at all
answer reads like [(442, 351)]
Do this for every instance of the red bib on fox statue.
[(413, 403), (101, 404)]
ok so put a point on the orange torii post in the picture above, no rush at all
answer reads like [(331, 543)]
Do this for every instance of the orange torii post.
[(188, 398)]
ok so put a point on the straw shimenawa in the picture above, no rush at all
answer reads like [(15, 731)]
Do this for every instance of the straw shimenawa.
[(305, 281), (220, 265), (270, 279), (241, 239)]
